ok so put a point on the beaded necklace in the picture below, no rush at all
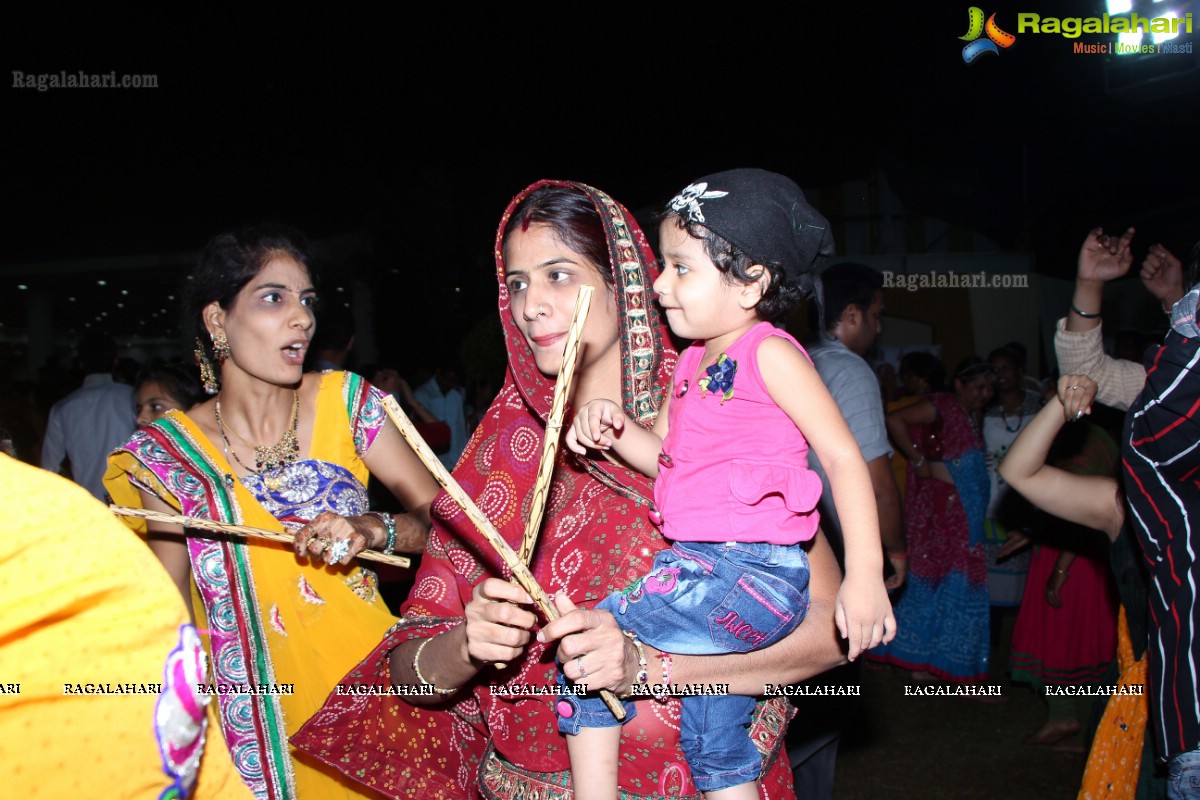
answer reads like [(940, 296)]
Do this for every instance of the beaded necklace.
[(1020, 415)]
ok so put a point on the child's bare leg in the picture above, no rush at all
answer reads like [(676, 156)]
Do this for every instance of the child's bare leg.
[(743, 791), (593, 753)]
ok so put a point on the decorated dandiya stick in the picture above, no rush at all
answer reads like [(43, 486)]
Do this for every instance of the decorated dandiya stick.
[(552, 436), (550, 441), (201, 523), (520, 572)]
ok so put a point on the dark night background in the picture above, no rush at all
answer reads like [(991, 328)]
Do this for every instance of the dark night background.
[(414, 127), (409, 127)]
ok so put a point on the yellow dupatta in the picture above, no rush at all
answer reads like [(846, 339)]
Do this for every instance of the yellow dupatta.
[(1114, 761)]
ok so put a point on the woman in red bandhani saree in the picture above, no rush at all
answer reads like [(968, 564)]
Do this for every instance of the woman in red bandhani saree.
[(486, 726)]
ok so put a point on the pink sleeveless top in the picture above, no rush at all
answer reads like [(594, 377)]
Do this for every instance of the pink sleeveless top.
[(734, 467)]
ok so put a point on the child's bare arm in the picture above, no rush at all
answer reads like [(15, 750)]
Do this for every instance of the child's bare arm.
[(863, 611)]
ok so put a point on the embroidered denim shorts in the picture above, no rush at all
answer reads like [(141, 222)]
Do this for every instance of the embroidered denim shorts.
[(702, 598)]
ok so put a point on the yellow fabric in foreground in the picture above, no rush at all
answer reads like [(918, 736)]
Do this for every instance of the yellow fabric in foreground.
[(82, 601), (325, 633), (1115, 758)]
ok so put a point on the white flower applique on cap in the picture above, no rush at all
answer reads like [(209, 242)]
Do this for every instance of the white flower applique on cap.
[(687, 203)]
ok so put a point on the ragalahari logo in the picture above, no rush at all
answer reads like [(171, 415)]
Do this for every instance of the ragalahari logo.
[(976, 27)]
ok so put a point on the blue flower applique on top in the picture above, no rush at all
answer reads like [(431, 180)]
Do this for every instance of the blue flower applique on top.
[(719, 378)]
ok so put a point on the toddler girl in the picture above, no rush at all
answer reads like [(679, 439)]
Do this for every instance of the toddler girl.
[(733, 490)]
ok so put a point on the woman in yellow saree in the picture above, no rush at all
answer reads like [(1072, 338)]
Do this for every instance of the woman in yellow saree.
[(283, 624)]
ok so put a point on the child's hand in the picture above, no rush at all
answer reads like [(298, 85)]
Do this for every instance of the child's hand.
[(864, 614), (591, 424)]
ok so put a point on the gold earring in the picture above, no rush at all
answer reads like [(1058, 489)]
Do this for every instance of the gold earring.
[(208, 376), (220, 348)]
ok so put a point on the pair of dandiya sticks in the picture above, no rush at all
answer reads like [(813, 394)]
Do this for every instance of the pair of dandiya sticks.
[(517, 563)]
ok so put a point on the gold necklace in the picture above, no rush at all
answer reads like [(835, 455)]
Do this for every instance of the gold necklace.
[(269, 460)]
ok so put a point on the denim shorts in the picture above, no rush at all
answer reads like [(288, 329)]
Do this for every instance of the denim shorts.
[(1183, 776), (701, 598)]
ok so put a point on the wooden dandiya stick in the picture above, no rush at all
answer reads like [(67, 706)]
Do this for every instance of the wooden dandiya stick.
[(520, 572), (562, 389), (201, 523)]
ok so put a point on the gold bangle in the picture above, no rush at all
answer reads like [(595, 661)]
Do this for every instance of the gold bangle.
[(417, 669)]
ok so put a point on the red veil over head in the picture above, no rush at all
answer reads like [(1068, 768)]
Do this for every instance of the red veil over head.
[(647, 357)]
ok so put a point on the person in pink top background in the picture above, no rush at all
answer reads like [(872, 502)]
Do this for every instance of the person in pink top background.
[(733, 492)]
